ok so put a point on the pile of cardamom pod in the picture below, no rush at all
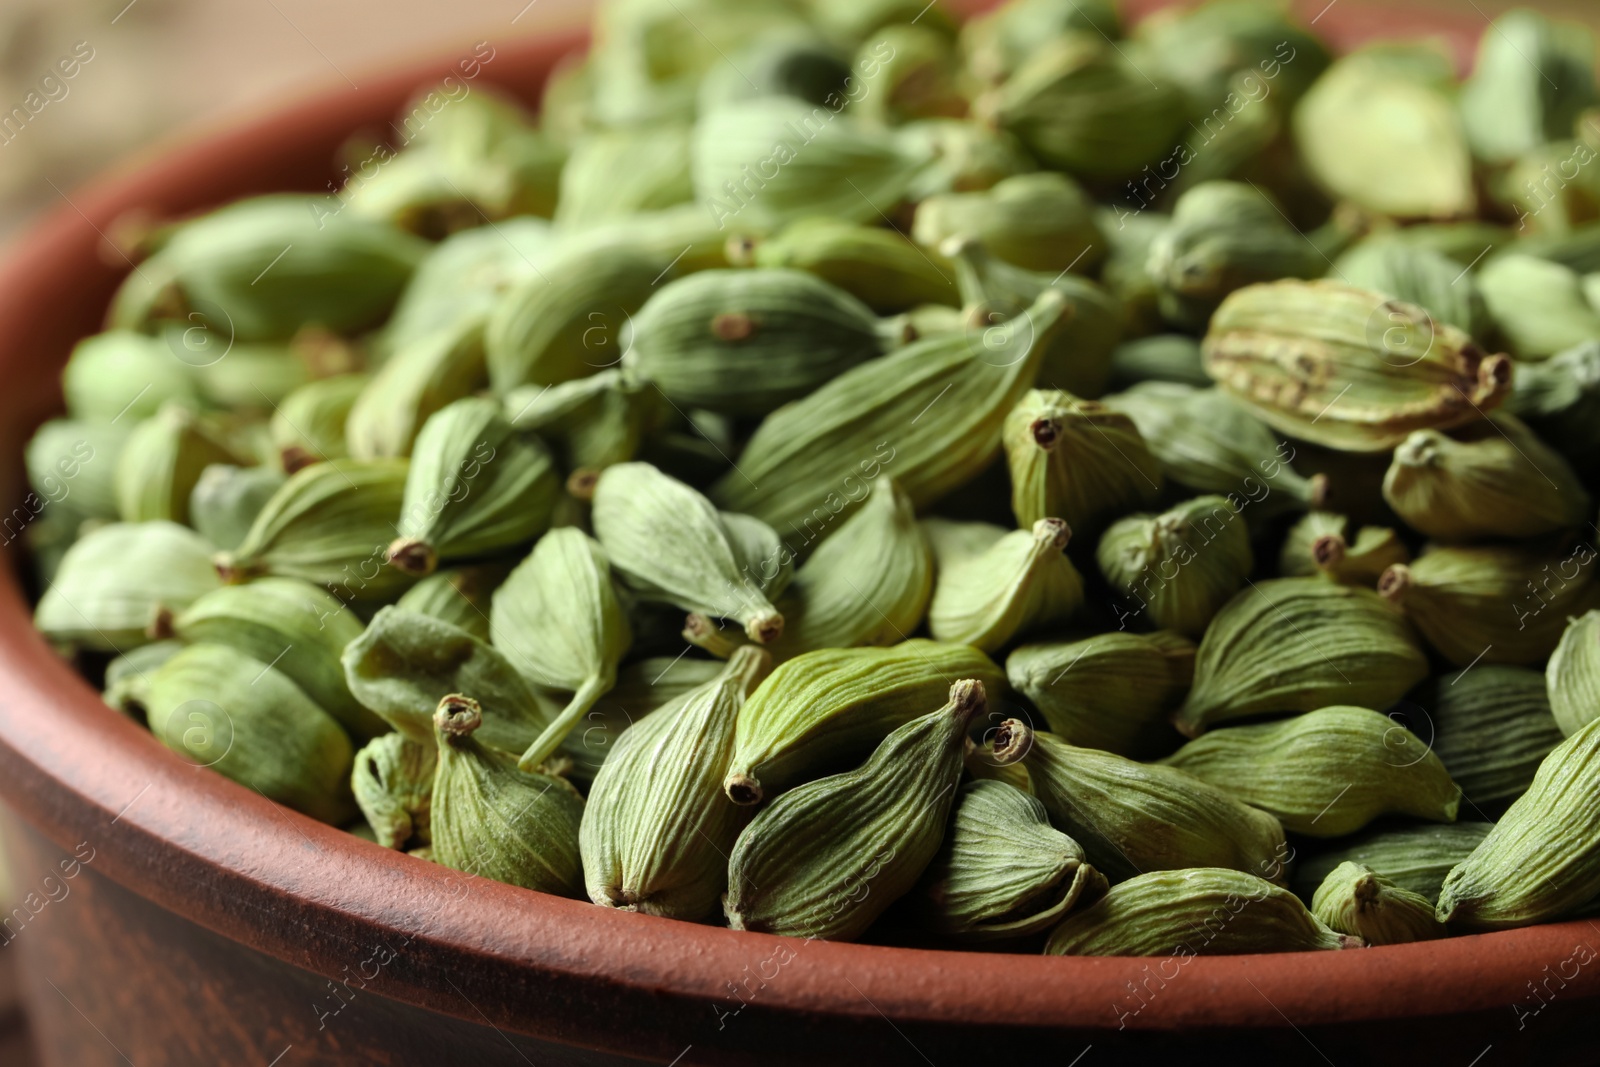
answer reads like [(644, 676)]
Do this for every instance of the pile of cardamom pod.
[(1039, 482)]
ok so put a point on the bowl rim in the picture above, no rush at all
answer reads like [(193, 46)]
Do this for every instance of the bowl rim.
[(309, 894)]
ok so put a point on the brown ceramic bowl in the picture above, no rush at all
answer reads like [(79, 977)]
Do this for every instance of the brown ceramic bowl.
[(200, 923)]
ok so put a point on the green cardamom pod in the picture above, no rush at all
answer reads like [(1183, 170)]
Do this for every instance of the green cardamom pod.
[(996, 584), (1416, 274), (393, 786), (643, 687), (1210, 444), (825, 859), (1076, 459), (557, 618), (1000, 40), (611, 174), (418, 379), (668, 544), (1298, 644), (309, 425), (867, 584), (1356, 900), (1112, 691), (1206, 911), (1559, 399), (1224, 236), (299, 628), (1130, 235), (490, 819), (763, 163), (825, 710), (1538, 307), (160, 463), (474, 487), (878, 266), (1162, 357), (744, 342), (1181, 566), (1573, 674), (1326, 773), (593, 422), (805, 456), (657, 829), (121, 374), (463, 277), (128, 676), (967, 156), (1503, 603), (921, 77), (72, 466), (1003, 871), (262, 268), (460, 596), (1136, 817), (1322, 543), (1042, 222), (1346, 368), (1388, 101), (1204, 46), (1491, 725), (224, 709), (1498, 481), (1539, 862), (330, 524), (115, 582), (403, 664), (226, 500), (1415, 858), (1532, 78)]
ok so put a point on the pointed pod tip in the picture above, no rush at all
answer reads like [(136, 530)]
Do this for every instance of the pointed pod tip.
[(1319, 492), (412, 556), (1054, 532), (1351, 941), (743, 789), (581, 483), (1046, 432), (1328, 551), (967, 698), (765, 628), (295, 458), (1013, 739), (457, 716), (1395, 582)]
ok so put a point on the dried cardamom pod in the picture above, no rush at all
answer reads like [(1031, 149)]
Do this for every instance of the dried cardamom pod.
[(1573, 674), (1112, 691), (1076, 459), (802, 459), (669, 545), (393, 786), (1539, 862), (1321, 543), (828, 857), (1205, 46), (72, 466), (611, 174), (1000, 40), (1181, 566), (1164, 357), (309, 425), (921, 76), (878, 266), (1380, 128), (299, 628), (122, 374), (657, 830), (1491, 725), (1493, 479), (460, 596), (867, 584), (224, 709), (1326, 773), (1416, 274), (1042, 221), (782, 63), (1224, 236), (461, 280), (1532, 78), (744, 342), (128, 676), (418, 379), (490, 819), (1414, 858), (761, 164), (1297, 644), (116, 580), (825, 710), (226, 500), (1348, 368), (1210, 444), (405, 663), (1207, 911), (1136, 817), (1538, 307), (474, 486), (1003, 871), (1080, 104), (558, 619), (1356, 900), (330, 523), (996, 584), (643, 687), (160, 463), (270, 265), (592, 422), (967, 156), (1559, 399), (1504, 603)]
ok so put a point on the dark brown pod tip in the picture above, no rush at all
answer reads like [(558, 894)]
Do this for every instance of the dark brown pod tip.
[(457, 716), (1046, 432), (740, 251), (230, 570), (764, 628), (414, 557), (742, 789), (294, 458), (1394, 583), (160, 627), (581, 483), (1494, 374), (733, 326), (1327, 551)]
